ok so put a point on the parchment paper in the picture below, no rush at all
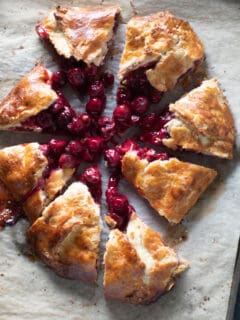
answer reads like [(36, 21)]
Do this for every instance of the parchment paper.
[(28, 289)]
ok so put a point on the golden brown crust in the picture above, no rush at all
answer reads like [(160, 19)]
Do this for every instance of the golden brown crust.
[(172, 187), (82, 33), (30, 96), (35, 203), (138, 266), (66, 237), (20, 168), (164, 39), (204, 122)]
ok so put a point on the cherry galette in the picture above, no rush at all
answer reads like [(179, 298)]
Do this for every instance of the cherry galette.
[(81, 38), (138, 266), (202, 121), (67, 235), (171, 186), (159, 50)]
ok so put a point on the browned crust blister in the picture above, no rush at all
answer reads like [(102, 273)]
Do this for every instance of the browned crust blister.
[(30, 96), (82, 33), (206, 124), (171, 187), (138, 266), (164, 39), (67, 235)]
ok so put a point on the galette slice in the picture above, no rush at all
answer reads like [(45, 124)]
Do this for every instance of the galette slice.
[(202, 121), (35, 104), (138, 266), (171, 186), (67, 235), (159, 49), (34, 174), (80, 33)]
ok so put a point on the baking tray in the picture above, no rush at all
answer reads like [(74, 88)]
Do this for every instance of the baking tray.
[(28, 289)]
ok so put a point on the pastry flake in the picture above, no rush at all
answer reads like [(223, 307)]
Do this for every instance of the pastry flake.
[(202, 122), (138, 266), (67, 235), (168, 45), (171, 186), (82, 33)]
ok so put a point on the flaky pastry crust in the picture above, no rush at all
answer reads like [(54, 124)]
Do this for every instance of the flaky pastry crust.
[(21, 170), (82, 33), (67, 235), (30, 96), (203, 122), (138, 266), (21, 167), (161, 38), (172, 187)]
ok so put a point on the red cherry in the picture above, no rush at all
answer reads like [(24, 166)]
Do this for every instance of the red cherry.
[(119, 204), (107, 127), (76, 77), (80, 124), (58, 79), (113, 158), (92, 175), (95, 106), (75, 148), (148, 121), (96, 89), (57, 146), (140, 105), (95, 144), (68, 161), (122, 113), (65, 117), (42, 32)]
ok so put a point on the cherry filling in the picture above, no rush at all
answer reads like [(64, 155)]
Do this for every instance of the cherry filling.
[(118, 205), (153, 128), (134, 96), (93, 179)]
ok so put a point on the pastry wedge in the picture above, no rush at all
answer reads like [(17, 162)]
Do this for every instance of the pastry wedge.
[(171, 186), (138, 266), (67, 235), (34, 105), (202, 122), (164, 46), (80, 33), (32, 176)]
